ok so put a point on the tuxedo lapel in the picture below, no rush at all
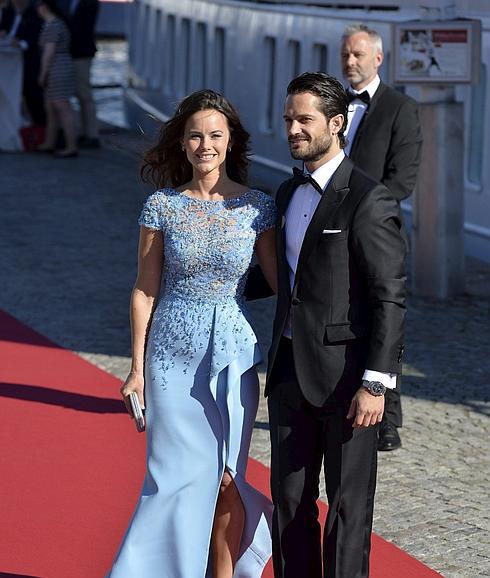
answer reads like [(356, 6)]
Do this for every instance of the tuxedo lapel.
[(282, 201), (332, 198), (365, 118)]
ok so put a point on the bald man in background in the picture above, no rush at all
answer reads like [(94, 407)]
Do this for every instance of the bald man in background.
[(383, 139)]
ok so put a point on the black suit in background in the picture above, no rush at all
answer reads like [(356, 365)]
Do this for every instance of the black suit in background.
[(82, 19), (347, 309), (6, 18), (388, 142), (29, 30), (387, 145), (82, 23)]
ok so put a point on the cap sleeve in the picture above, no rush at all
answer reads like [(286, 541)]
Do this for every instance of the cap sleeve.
[(266, 217), (152, 214)]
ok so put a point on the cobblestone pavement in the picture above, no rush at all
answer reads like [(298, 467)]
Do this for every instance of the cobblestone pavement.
[(68, 239)]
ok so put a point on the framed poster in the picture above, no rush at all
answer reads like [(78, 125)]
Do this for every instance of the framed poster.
[(436, 52)]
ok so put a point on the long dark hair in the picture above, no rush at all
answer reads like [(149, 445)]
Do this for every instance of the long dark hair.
[(165, 164), (330, 92)]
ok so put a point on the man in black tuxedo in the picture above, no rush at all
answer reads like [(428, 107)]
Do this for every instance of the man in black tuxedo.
[(337, 340), (82, 18), (384, 139), (21, 23)]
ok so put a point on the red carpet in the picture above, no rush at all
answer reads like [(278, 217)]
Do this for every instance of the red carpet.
[(72, 464)]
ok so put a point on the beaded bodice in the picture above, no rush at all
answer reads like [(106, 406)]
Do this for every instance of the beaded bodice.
[(208, 247)]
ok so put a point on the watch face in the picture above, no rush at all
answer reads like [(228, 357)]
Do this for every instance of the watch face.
[(375, 387)]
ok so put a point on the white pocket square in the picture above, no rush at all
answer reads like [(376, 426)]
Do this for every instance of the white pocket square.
[(331, 231)]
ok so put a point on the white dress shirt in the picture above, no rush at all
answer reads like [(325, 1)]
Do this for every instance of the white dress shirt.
[(356, 111), (15, 25), (299, 213), (302, 205)]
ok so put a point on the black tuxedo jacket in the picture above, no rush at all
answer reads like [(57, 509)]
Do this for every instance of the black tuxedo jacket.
[(82, 29), (388, 142), (347, 305)]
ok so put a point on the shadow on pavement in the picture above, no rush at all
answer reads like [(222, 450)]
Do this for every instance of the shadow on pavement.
[(473, 398), (69, 400)]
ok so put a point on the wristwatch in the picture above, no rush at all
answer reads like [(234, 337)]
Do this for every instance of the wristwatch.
[(375, 388)]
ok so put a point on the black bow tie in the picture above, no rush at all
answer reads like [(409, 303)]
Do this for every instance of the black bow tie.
[(301, 178), (364, 96)]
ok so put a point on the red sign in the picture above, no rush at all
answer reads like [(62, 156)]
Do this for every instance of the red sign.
[(446, 36)]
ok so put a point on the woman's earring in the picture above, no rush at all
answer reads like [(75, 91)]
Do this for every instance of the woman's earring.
[(229, 149)]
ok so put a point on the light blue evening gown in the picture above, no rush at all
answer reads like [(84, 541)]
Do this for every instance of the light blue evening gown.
[(201, 389)]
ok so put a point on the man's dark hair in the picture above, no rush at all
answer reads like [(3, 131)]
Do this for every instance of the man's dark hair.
[(331, 94)]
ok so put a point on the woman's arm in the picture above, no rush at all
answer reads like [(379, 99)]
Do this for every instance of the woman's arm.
[(265, 249), (49, 50), (143, 300)]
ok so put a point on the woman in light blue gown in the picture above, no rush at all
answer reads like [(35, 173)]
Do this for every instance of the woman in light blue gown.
[(194, 352)]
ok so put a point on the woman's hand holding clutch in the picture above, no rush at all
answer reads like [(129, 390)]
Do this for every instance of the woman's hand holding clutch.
[(134, 384)]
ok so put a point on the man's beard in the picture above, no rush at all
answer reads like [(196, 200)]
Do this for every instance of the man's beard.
[(355, 77), (314, 151)]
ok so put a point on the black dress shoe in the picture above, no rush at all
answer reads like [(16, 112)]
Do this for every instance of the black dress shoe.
[(389, 438)]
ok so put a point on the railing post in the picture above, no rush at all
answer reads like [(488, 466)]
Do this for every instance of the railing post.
[(438, 268), (438, 262)]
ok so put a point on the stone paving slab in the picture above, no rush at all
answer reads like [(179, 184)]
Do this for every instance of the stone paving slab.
[(68, 239)]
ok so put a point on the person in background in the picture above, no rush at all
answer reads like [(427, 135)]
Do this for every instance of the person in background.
[(22, 26), (57, 77), (81, 19), (3, 5), (385, 140)]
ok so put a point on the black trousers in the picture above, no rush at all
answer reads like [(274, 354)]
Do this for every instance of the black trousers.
[(393, 407), (303, 437), (33, 96)]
